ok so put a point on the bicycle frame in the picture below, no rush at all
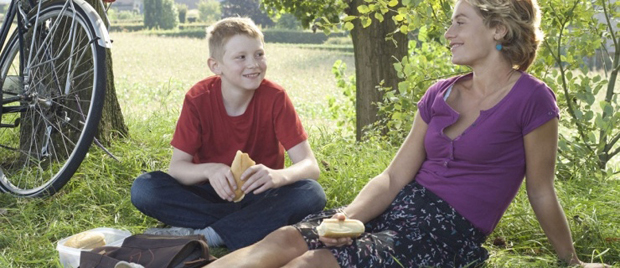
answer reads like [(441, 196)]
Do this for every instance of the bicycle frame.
[(15, 10), (40, 38)]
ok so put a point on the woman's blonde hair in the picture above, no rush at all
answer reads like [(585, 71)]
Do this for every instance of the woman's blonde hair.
[(220, 32), (522, 21)]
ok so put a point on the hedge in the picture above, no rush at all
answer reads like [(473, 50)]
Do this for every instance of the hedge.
[(199, 31)]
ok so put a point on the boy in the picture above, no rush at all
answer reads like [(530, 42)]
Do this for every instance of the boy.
[(237, 109)]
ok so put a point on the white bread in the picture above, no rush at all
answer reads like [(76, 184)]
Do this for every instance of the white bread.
[(335, 228), (241, 162), (87, 240)]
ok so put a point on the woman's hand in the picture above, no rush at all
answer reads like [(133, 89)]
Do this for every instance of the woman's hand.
[(337, 242)]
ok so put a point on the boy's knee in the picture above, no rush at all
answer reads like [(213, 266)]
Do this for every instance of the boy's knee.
[(314, 196), (142, 189)]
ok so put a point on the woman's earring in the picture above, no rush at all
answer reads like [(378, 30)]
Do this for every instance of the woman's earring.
[(498, 47)]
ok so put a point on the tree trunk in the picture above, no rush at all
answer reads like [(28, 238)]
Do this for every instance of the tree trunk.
[(374, 59), (112, 124)]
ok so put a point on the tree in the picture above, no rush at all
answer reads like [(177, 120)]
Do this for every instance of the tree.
[(112, 122), (182, 9), (160, 14), (574, 30), (246, 8), (288, 21), (168, 15), (374, 55), (210, 10)]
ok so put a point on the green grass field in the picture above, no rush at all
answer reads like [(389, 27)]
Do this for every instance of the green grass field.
[(152, 75)]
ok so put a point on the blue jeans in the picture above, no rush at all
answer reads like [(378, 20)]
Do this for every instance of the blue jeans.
[(160, 196)]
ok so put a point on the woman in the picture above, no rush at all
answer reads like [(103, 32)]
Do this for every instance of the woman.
[(473, 140)]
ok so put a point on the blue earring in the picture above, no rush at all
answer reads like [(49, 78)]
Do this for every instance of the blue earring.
[(498, 47)]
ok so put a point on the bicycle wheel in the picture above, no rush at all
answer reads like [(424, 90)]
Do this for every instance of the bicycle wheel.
[(61, 90)]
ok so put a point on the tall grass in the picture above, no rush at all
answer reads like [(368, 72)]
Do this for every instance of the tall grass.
[(153, 73)]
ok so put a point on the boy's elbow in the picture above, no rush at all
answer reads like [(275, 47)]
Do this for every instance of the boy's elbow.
[(176, 173), (314, 172)]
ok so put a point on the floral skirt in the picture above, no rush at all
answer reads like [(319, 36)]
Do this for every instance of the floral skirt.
[(417, 230)]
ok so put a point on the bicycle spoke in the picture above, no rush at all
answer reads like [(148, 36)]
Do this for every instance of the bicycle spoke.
[(64, 67)]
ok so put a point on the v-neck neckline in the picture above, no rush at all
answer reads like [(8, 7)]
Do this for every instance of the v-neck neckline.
[(483, 113)]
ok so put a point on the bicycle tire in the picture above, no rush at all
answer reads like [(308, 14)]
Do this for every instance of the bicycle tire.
[(62, 108)]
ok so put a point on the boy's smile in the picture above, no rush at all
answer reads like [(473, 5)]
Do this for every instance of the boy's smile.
[(243, 64)]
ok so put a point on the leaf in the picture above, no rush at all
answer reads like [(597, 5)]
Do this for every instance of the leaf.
[(363, 9), (349, 18), (349, 26), (399, 17), (404, 29), (393, 3), (379, 17), (365, 21)]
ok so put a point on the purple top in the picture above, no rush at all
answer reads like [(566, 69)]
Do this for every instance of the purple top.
[(480, 171)]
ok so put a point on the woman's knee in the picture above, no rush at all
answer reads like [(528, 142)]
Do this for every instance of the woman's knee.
[(322, 258), (288, 237)]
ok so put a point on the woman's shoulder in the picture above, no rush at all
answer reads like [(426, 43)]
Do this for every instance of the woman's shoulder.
[(443, 84), (529, 86)]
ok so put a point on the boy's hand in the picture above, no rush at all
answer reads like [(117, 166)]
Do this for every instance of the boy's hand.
[(222, 181), (259, 178)]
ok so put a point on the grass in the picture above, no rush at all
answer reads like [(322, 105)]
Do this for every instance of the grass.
[(151, 76)]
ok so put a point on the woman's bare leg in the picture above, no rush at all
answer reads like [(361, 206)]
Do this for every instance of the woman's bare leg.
[(275, 250), (320, 258)]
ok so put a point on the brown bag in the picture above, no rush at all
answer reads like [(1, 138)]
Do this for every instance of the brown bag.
[(151, 251)]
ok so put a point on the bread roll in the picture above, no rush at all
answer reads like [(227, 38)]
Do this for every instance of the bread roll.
[(241, 162), (86, 240), (335, 228)]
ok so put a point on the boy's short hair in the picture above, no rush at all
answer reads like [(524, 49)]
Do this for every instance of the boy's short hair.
[(219, 33)]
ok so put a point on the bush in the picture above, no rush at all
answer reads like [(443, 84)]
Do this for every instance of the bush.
[(210, 10), (126, 27), (271, 35), (182, 9), (160, 14), (296, 37), (288, 21)]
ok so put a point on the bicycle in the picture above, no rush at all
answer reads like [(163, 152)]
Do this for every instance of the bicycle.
[(52, 77)]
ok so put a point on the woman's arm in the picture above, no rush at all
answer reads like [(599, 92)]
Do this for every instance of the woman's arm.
[(379, 193), (540, 159)]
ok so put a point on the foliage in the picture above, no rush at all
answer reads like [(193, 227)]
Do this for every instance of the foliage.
[(246, 8), (294, 37), (589, 99), (193, 15), (210, 10), (307, 11), (123, 15), (271, 35), (182, 9), (343, 109), (288, 21), (160, 14)]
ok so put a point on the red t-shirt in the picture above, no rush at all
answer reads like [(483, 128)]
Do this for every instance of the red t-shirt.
[(268, 127)]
